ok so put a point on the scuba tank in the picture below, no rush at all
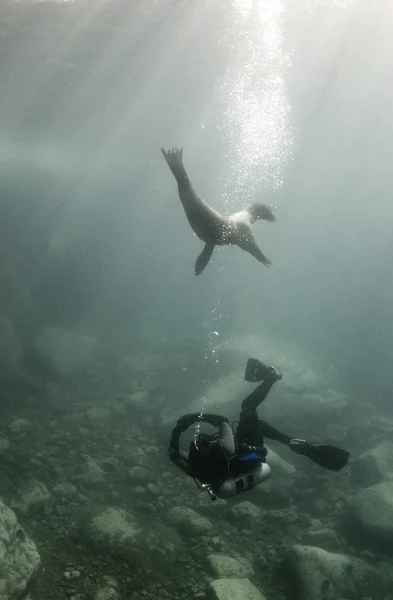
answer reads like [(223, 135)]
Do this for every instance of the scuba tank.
[(232, 486)]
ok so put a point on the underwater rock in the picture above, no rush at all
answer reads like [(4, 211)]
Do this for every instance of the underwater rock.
[(280, 467), (10, 349), (65, 490), (97, 413), (17, 301), (337, 432), (281, 484), (116, 532), (316, 574), (299, 374), (234, 589), (369, 516), (138, 457), (19, 558), (11, 357), (223, 566), (91, 471), (71, 574), (34, 496), (18, 425), (246, 515), (140, 475), (138, 401), (4, 444), (305, 390), (317, 409), (374, 466), (106, 593), (188, 521), (323, 538), (282, 517), (67, 351)]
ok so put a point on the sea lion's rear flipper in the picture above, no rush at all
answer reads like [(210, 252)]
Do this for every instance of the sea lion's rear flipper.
[(203, 258), (174, 158)]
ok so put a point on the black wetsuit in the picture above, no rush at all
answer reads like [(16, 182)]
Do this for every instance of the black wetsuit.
[(229, 462), (251, 429), (250, 432)]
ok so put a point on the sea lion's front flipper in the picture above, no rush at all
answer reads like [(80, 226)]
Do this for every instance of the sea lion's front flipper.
[(203, 258), (249, 245)]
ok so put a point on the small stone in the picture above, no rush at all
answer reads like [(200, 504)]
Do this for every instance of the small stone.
[(110, 581), (66, 490), (71, 574), (4, 444), (107, 593), (98, 414), (140, 475), (18, 425), (34, 495)]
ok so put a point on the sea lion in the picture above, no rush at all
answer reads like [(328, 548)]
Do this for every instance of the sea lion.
[(209, 225)]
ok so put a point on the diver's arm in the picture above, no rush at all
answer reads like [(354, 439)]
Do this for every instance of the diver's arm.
[(187, 420), (270, 432), (180, 460)]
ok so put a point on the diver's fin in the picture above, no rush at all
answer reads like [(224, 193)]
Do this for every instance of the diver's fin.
[(203, 258), (256, 370), (324, 455)]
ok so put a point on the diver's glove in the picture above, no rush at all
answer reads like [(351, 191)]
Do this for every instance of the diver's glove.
[(324, 455)]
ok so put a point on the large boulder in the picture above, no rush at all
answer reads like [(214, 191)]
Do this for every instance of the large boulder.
[(301, 374), (315, 574), (33, 496), (188, 522), (120, 534), (369, 516), (10, 350), (233, 353), (305, 394), (223, 566), (374, 465), (16, 301), (278, 490), (67, 352), (19, 558), (234, 589), (12, 368), (246, 515)]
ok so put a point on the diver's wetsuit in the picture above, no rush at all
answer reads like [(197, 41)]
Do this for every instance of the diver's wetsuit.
[(250, 432), (227, 463), (251, 429)]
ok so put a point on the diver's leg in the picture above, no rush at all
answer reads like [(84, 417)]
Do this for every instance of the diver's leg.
[(249, 430), (252, 401)]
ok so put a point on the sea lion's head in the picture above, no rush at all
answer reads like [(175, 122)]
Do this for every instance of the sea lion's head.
[(262, 211)]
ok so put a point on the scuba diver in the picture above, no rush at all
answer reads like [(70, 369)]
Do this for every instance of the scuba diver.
[(227, 463)]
